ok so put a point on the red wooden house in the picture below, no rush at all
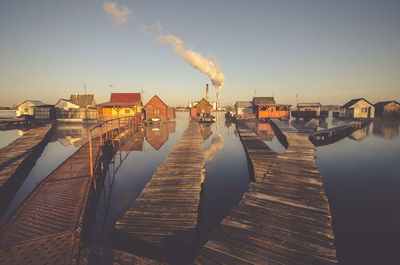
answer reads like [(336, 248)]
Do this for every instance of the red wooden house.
[(156, 109), (203, 107), (266, 108)]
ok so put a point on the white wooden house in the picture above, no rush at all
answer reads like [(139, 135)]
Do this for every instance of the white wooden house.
[(27, 107), (358, 108)]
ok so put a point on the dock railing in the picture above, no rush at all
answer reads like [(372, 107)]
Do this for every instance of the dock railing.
[(108, 130)]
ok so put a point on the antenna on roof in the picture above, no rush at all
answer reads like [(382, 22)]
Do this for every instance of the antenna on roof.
[(273, 94), (141, 95), (255, 92), (297, 98), (84, 87)]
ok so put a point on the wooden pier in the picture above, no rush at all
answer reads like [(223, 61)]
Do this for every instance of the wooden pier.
[(284, 217), (260, 156), (4, 123), (162, 220), (47, 227), (16, 161)]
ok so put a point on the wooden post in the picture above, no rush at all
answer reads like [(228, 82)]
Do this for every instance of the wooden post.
[(90, 153), (101, 134)]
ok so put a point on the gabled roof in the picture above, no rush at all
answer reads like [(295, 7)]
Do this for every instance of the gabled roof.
[(354, 101), (123, 99), (154, 97), (34, 102), (243, 104), (67, 100), (315, 104), (263, 100), (384, 103), (203, 99), (83, 100)]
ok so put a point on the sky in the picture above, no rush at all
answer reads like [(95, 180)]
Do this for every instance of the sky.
[(326, 51)]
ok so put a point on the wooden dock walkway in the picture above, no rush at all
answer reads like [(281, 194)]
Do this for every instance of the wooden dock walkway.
[(260, 156), (47, 227), (284, 217), (16, 161), (161, 222)]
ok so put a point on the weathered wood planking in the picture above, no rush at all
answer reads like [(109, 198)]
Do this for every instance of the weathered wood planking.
[(260, 156), (284, 217), (17, 159), (46, 228), (101, 255), (164, 216)]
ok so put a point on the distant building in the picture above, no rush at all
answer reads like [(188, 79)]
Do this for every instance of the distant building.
[(387, 109), (80, 107), (202, 108), (244, 110), (358, 108), (121, 104), (44, 112), (27, 107), (265, 107), (307, 110), (156, 109)]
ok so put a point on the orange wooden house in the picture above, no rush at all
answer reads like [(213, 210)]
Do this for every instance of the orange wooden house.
[(156, 109), (266, 108), (203, 107)]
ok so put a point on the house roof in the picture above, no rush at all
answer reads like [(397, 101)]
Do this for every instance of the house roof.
[(263, 100), (354, 101), (243, 104), (83, 100), (315, 104), (123, 99), (155, 96), (203, 99), (67, 100), (34, 102), (384, 103)]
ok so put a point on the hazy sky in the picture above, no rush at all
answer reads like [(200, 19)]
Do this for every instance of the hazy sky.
[(323, 50)]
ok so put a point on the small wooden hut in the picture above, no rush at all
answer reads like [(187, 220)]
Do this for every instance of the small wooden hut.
[(244, 110), (307, 111), (358, 108), (156, 109), (203, 108), (387, 109), (266, 108), (121, 104), (26, 107), (44, 112)]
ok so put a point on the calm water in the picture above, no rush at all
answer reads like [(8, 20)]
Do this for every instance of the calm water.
[(7, 137), (361, 174), (8, 114)]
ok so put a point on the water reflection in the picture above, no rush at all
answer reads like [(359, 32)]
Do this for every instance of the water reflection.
[(157, 134), (361, 179), (264, 130)]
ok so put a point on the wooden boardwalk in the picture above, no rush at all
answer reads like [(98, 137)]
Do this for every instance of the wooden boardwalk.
[(162, 220), (260, 156), (17, 159), (284, 217)]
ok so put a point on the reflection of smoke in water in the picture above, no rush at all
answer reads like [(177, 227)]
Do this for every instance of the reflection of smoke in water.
[(217, 143)]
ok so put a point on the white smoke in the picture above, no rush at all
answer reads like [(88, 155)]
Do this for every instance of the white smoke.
[(118, 16), (194, 59)]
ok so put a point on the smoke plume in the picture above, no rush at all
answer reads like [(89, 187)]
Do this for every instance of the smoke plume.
[(194, 59), (118, 16)]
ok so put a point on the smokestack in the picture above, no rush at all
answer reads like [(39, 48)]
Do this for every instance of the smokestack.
[(217, 99), (207, 92)]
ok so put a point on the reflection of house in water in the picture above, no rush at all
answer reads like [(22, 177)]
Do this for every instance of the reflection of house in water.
[(135, 142), (361, 133), (205, 131), (71, 135), (264, 131), (156, 136), (386, 128)]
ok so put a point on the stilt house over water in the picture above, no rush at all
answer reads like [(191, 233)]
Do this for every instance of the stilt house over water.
[(203, 108), (307, 111), (358, 108), (265, 107), (157, 110), (80, 107), (26, 107), (244, 110), (121, 104), (387, 109)]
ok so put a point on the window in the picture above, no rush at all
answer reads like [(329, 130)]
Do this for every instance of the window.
[(156, 111), (277, 108), (26, 110), (127, 111), (364, 110)]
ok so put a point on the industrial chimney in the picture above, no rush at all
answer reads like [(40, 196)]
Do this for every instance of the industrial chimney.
[(207, 92)]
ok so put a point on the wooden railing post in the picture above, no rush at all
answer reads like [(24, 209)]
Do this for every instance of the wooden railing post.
[(101, 134), (90, 153)]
